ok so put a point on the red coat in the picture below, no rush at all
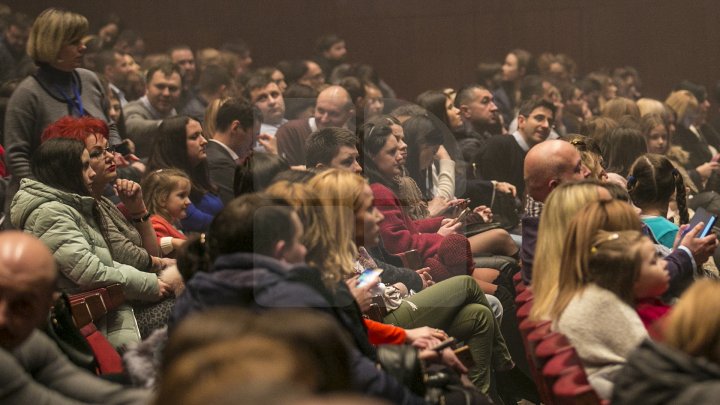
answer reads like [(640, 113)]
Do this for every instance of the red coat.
[(401, 233)]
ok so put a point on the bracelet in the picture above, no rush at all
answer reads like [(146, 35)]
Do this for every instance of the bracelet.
[(142, 219)]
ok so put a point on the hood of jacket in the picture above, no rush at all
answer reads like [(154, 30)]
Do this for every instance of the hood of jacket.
[(250, 281), (33, 194), (657, 374)]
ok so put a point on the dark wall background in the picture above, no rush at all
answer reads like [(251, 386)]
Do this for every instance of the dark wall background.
[(418, 45)]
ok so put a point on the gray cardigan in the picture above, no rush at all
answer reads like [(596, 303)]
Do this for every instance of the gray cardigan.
[(31, 109)]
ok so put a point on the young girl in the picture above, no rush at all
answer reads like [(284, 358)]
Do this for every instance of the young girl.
[(652, 182), (598, 277), (167, 197)]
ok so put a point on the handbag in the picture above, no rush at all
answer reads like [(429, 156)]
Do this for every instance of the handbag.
[(62, 329)]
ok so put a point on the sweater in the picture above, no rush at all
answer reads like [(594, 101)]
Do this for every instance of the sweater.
[(399, 232), (32, 108), (201, 213), (502, 159), (124, 239), (604, 343)]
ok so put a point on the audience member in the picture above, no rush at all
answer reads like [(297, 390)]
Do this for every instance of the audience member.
[(215, 83), (14, 60), (33, 368), (143, 117)]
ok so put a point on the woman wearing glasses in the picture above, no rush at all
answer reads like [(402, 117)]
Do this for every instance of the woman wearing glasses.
[(59, 88)]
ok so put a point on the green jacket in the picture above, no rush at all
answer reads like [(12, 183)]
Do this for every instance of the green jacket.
[(65, 223)]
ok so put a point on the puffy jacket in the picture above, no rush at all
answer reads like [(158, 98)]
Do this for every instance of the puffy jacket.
[(65, 223), (657, 374)]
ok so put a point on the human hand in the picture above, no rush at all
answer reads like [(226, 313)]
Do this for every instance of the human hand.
[(130, 194), (449, 227), (424, 335), (484, 213), (268, 142), (701, 248), (425, 276), (437, 206), (171, 276), (706, 169), (164, 290), (506, 188), (442, 154), (362, 294)]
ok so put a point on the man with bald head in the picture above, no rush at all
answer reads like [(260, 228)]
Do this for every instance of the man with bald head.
[(32, 368), (334, 108), (547, 165)]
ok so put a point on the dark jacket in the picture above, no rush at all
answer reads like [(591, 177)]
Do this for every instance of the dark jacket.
[(259, 283), (657, 374)]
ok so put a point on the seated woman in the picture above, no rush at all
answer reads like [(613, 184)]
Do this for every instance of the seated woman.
[(132, 239), (255, 250), (457, 305), (59, 209), (424, 140), (181, 145)]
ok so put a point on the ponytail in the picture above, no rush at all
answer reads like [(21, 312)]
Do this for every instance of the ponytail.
[(680, 197)]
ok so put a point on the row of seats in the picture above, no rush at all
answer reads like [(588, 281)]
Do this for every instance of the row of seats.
[(556, 367)]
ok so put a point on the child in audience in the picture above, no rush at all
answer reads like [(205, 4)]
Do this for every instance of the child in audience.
[(594, 307), (652, 182), (167, 197)]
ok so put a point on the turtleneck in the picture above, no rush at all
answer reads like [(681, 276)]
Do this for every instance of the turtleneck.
[(51, 76)]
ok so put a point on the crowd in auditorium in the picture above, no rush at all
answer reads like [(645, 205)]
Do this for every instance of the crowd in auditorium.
[(186, 227)]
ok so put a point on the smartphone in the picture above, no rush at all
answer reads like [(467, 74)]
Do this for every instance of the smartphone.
[(445, 344), (369, 276), (701, 215), (463, 215)]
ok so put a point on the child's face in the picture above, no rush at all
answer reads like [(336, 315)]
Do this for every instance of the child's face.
[(653, 279), (178, 200)]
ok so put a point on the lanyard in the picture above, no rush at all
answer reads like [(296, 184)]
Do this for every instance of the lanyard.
[(75, 103)]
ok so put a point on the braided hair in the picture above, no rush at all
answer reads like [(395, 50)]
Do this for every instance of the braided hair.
[(652, 181)]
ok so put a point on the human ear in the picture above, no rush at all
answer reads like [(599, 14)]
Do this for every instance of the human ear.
[(278, 250)]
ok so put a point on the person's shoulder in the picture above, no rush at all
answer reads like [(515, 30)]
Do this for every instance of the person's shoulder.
[(295, 125)]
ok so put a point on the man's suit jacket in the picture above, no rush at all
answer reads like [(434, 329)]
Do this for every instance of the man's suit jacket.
[(222, 170)]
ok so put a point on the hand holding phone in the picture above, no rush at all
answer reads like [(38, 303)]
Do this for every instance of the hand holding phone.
[(368, 277), (463, 216)]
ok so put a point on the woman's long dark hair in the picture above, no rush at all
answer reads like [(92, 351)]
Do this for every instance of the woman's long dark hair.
[(434, 101), (57, 163), (373, 136), (420, 131), (169, 150)]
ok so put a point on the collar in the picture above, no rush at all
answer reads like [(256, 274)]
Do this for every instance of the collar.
[(227, 149), (313, 124), (155, 113), (521, 141)]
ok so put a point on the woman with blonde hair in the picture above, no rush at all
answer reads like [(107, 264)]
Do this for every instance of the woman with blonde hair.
[(620, 107), (58, 88), (210, 121), (457, 305), (560, 207), (685, 367)]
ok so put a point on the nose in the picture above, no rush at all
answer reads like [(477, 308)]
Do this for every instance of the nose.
[(379, 217), (585, 171), (493, 107), (91, 174), (203, 141), (356, 168)]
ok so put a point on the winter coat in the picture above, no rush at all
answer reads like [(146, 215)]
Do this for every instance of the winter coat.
[(66, 224), (657, 374), (260, 283)]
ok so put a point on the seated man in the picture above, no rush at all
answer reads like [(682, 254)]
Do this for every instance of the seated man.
[(33, 370), (333, 148)]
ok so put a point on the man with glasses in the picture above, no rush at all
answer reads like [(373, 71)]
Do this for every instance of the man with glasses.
[(503, 157)]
